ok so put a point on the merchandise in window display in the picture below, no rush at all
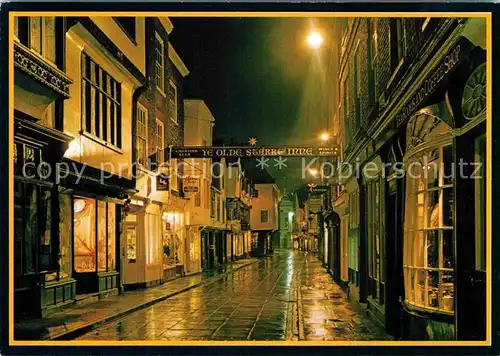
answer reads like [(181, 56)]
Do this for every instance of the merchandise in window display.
[(429, 244)]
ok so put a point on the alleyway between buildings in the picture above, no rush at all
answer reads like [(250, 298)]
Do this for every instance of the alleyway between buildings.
[(288, 296)]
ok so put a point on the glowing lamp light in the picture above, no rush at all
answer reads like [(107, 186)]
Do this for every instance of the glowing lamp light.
[(74, 149), (313, 172), (315, 40), (324, 137)]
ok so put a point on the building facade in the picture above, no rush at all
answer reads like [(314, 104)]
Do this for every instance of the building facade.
[(238, 202), (412, 107), (154, 229), (74, 123), (264, 218), (198, 131)]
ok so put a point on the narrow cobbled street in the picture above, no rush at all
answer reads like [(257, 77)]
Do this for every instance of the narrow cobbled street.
[(288, 296)]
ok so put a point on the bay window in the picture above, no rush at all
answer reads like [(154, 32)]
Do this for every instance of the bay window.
[(101, 103), (428, 258), (37, 33)]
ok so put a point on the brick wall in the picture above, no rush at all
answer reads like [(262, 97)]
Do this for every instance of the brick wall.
[(359, 41), (154, 100)]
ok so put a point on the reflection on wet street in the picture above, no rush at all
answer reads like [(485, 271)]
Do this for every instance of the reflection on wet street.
[(259, 302)]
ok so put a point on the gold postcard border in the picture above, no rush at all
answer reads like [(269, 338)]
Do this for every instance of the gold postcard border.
[(249, 14)]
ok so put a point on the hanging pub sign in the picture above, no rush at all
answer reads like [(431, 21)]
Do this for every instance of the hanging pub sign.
[(252, 151), (162, 182), (315, 204), (191, 185), (437, 77)]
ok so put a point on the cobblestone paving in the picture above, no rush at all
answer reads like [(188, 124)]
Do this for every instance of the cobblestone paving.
[(259, 302)]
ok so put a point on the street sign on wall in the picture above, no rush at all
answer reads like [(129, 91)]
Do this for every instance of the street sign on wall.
[(252, 151)]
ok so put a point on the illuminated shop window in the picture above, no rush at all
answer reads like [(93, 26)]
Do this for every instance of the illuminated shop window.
[(94, 235), (173, 237), (428, 238), (131, 234), (153, 238)]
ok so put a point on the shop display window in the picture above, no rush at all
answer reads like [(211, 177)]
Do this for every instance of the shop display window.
[(428, 239), (94, 235)]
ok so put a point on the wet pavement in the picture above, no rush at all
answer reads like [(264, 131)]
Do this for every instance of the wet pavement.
[(288, 296)]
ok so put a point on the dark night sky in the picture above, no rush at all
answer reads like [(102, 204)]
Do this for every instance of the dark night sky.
[(258, 77)]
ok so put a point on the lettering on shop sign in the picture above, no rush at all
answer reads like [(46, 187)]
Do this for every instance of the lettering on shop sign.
[(245, 152), (190, 185), (318, 190), (444, 68)]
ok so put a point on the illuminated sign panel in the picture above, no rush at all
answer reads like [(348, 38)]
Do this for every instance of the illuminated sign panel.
[(248, 151)]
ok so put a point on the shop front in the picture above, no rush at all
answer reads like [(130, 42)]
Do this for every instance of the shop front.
[(444, 253), (42, 222), (174, 244), (95, 244)]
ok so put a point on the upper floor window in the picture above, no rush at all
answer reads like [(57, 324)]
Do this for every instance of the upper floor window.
[(347, 128), (37, 33), (142, 134), (101, 103), (160, 63), (372, 61), (264, 216), (172, 99), (212, 203), (160, 134), (255, 193), (398, 44), (128, 26), (357, 90)]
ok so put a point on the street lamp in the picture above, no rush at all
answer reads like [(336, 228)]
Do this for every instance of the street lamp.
[(315, 40)]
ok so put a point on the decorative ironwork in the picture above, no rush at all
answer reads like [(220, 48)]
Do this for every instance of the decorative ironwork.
[(37, 68), (474, 96)]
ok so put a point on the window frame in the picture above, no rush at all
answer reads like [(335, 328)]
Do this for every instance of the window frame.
[(107, 207), (266, 211), (159, 149), (373, 56), (110, 130), (159, 40), (480, 205), (142, 109), (415, 188), (174, 112)]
